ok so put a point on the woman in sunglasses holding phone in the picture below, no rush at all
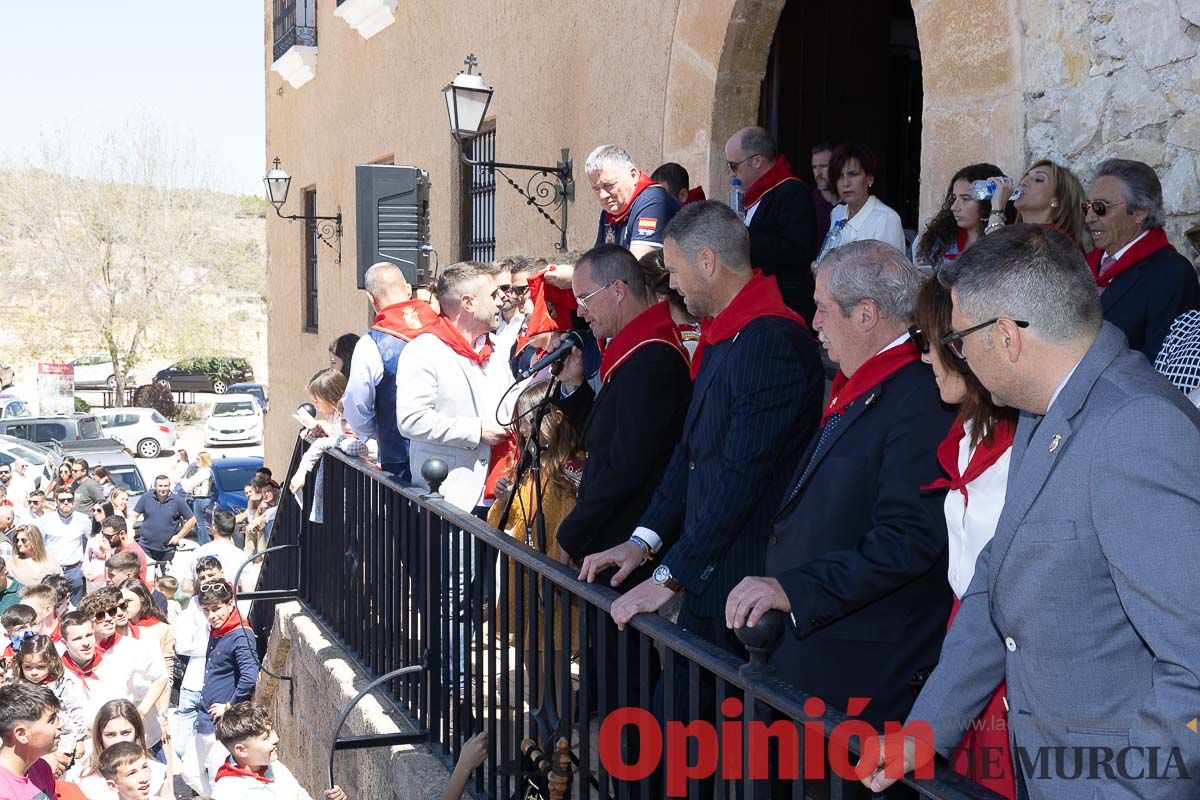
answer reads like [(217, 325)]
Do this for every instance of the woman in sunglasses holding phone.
[(975, 459)]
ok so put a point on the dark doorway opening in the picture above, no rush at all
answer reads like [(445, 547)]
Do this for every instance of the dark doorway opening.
[(849, 72)]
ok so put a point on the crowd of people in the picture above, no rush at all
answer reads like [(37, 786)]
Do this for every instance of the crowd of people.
[(126, 662), (995, 440), (984, 518)]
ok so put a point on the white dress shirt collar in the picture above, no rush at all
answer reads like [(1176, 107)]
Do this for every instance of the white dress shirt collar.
[(1121, 252)]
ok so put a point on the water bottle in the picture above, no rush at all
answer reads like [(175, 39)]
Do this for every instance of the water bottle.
[(737, 199), (984, 190)]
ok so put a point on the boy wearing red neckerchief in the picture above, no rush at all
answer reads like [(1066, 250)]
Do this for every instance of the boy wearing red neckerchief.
[(253, 769)]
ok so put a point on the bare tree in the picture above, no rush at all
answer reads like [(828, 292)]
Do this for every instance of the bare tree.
[(129, 257)]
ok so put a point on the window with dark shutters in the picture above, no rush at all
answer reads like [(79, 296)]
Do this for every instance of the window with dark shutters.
[(479, 198), (310, 261)]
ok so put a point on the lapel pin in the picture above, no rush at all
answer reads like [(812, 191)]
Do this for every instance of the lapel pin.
[(1054, 442), (870, 400)]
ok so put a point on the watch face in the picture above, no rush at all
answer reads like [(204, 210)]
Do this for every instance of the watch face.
[(661, 574)]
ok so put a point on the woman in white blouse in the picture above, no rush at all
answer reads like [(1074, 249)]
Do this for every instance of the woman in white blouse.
[(975, 459), (861, 215)]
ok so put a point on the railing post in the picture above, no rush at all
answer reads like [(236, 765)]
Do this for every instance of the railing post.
[(759, 641), (431, 594)]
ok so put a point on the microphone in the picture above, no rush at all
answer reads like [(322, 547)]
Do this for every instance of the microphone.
[(555, 356)]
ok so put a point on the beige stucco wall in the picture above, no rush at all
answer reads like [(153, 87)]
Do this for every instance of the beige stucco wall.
[(1005, 81)]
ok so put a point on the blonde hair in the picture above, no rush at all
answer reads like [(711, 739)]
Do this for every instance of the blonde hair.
[(1068, 191), (203, 459), (328, 385), (37, 544)]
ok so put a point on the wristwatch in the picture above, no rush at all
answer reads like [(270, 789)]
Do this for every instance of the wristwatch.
[(662, 576)]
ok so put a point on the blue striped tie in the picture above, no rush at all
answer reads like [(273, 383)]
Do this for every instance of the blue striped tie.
[(831, 425)]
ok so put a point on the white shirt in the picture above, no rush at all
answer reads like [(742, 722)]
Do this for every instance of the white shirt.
[(874, 220), (1062, 385), (358, 401), (506, 334), (283, 786), (141, 664), (971, 520), (191, 639), (230, 555), (1121, 252), (65, 539)]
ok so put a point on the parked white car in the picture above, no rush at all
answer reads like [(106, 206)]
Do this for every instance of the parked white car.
[(234, 419), (41, 464), (96, 371), (12, 406), (143, 431)]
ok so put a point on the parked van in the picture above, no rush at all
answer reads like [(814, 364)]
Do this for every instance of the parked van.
[(43, 430)]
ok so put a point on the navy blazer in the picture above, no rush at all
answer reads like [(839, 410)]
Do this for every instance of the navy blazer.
[(1144, 300), (860, 551), (755, 405)]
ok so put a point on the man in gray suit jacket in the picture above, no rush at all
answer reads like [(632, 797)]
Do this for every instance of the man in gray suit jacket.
[(1086, 600)]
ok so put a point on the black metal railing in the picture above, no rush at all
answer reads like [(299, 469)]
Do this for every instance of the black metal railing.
[(295, 23), (513, 644)]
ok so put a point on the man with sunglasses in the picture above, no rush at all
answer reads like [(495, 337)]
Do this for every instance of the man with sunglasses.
[(1144, 282), (88, 491), (513, 280), (35, 509), (1085, 599), (65, 533), (779, 214)]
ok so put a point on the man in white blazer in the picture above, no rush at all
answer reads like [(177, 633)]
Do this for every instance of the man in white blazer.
[(449, 383)]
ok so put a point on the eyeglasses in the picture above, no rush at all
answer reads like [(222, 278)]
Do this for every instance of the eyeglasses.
[(79, 470), (954, 339), (918, 338), (583, 301), (733, 165), (1100, 207)]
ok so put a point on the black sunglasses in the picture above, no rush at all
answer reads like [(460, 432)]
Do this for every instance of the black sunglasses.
[(1101, 207), (919, 339), (954, 339)]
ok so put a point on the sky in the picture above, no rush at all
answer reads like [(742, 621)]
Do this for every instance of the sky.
[(74, 74)]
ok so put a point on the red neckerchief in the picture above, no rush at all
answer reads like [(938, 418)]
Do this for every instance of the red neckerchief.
[(147, 622), (1154, 240), (652, 325), (875, 371), (780, 172), (234, 622), (104, 647), (644, 182), (694, 195), (451, 337), (985, 454), (405, 320), (960, 244), (133, 631), (552, 308), (760, 297), (83, 673), (56, 634), (231, 770)]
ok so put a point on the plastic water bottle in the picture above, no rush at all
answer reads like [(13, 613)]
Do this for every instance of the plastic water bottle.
[(737, 199), (984, 190)]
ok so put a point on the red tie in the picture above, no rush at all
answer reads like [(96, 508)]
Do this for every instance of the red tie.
[(1107, 262)]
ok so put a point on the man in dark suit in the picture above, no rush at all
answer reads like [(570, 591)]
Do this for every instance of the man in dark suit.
[(1144, 282), (630, 428), (857, 554), (779, 214), (755, 404)]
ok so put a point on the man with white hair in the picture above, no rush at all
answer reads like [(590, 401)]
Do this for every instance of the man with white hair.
[(857, 552), (370, 398), (634, 209)]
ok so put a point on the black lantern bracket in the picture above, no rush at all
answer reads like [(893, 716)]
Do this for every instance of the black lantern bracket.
[(328, 229), (547, 190)]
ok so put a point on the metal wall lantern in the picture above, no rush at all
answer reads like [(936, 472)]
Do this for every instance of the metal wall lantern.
[(467, 101), (328, 229)]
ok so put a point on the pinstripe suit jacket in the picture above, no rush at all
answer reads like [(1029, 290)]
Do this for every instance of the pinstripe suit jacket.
[(755, 405)]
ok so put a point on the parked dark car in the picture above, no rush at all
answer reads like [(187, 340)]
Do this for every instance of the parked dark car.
[(258, 390), (43, 430), (210, 374), (230, 476)]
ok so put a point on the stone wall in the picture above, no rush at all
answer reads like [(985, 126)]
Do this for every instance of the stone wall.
[(306, 709), (1117, 78)]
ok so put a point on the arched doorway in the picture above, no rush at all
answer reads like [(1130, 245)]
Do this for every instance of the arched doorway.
[(972, 105), (849, 72)]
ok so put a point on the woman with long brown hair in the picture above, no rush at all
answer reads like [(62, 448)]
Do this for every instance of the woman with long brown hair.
[(30, 562), (1050, 195), (975, 459), (119, 721)]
